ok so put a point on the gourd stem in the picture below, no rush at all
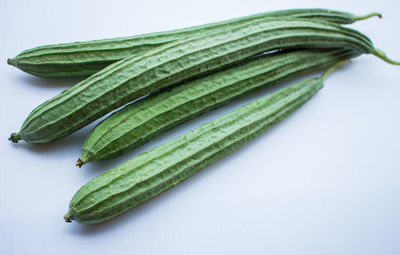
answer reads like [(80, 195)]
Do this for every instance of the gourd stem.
[(333, 68), (374, 14), (380, 54)]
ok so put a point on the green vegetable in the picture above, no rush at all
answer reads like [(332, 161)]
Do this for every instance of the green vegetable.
[(135, 77), (161, 168), (86, 58), (143, 120)]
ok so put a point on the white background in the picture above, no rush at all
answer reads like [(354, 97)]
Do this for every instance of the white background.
[(324, 181)]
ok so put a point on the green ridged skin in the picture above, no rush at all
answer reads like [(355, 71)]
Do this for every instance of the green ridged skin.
[(135, 77), (145, 119), (162, 167), (89, 57)]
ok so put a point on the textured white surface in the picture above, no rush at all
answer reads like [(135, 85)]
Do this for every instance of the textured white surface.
[(324, 181)]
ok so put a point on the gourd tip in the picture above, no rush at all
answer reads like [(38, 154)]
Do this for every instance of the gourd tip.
[(68, 218), (14, 137), (12, 61), (79, 163)]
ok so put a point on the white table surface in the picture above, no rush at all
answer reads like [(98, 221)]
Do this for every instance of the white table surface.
[(324, 181)]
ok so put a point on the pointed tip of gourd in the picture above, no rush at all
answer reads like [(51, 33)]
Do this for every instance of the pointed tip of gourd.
[(12, 61), (79, 163), (14, 137), (68, 218)]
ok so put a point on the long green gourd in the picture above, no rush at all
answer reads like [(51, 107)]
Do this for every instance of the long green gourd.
[(155, 171), (145, 119), (135, 77), (86, 58)]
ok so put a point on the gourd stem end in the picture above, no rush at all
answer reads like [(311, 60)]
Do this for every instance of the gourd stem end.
[(380, 54), (374, 14), (333, 68)]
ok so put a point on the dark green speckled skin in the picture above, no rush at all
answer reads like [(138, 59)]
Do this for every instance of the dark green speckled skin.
[(135, 77), (145, 119), (162, 167), (89, 57)]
